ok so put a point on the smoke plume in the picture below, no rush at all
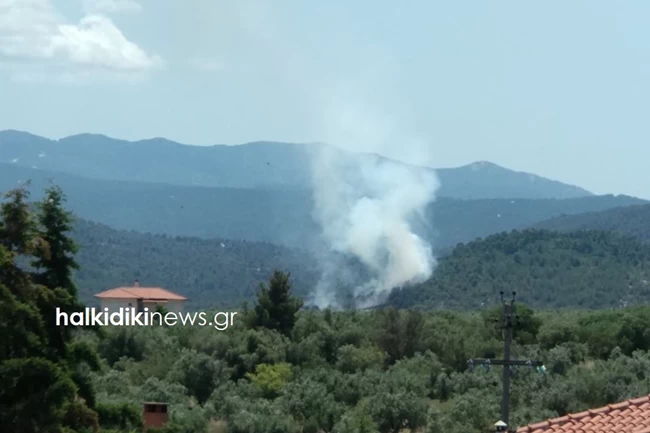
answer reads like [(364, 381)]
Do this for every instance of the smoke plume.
[(367, 207), (347, 90)]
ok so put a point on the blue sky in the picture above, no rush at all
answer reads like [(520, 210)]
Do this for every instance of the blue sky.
[(557, 88)]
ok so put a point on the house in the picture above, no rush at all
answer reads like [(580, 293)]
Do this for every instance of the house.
[(141, 297), (630, 416)]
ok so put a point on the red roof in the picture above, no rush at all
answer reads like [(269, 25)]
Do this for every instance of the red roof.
[(630, 416), (144, 293)]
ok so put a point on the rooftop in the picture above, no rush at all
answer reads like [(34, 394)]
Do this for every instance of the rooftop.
[(630, 416), (144, 293)]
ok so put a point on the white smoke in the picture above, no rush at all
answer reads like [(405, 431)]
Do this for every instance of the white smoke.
[(366, 206), (347, 91)]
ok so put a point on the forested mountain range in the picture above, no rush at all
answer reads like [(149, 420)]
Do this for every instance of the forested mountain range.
[(278, 216), (629, 220), (215, 272), (279, 369), (215, 244), (259, 165), (454, 221), (586, 269)]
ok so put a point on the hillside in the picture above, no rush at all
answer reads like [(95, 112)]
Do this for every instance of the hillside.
[(217, 272), (548, 269), (628, 220), (277, 216), (252, 165), (587, 269), (455, 221)]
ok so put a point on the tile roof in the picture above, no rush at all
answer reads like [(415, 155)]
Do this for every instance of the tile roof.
[(630, 416), (145, 293)]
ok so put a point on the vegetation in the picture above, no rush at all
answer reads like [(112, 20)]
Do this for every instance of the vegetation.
[(342, 372), (455, 221), (588, 269), (44, 375), (216, 272), (276, 308), (627, 220), (284, 369)]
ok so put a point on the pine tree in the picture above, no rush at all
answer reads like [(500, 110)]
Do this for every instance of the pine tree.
[(276, 308), (18, 238), (58, 261), (17, 228), (43, 387)]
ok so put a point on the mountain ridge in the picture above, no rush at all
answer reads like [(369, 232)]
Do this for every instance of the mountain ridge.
[(279, 216), (633, 220), (259, 164)]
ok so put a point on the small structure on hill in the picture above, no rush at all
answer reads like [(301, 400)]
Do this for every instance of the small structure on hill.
[(154, 414), (141, 297)]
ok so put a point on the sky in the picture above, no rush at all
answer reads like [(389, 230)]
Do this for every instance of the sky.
[(556, 88)]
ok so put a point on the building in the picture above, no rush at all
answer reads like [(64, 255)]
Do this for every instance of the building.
[(630, 416), (154, 415), (141, 297)]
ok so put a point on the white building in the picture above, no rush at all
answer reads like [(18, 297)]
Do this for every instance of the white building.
[(141, 297)]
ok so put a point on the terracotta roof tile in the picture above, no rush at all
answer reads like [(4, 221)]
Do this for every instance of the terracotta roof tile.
[(630, 416), (145, 293)]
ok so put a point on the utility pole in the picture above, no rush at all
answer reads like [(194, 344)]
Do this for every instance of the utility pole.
[(506, 362)]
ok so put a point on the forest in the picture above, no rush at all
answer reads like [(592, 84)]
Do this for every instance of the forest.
[(216, 272), (548, 269), (286, 369), (584, 269), (627, 220)]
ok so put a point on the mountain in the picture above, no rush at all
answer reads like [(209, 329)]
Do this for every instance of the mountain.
[(276, 215), (216, 272), (258, 165), (589, 269), (456, 221), (487, 180), (628, 220)]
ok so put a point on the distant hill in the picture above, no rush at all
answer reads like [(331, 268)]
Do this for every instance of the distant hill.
[(589, 269), (548, 269), (277, 216), (215, 272), (454, 221), (628, 220), (259, 165)]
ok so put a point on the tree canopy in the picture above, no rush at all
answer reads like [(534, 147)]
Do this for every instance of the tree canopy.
[(288, 369), (44, 374)]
